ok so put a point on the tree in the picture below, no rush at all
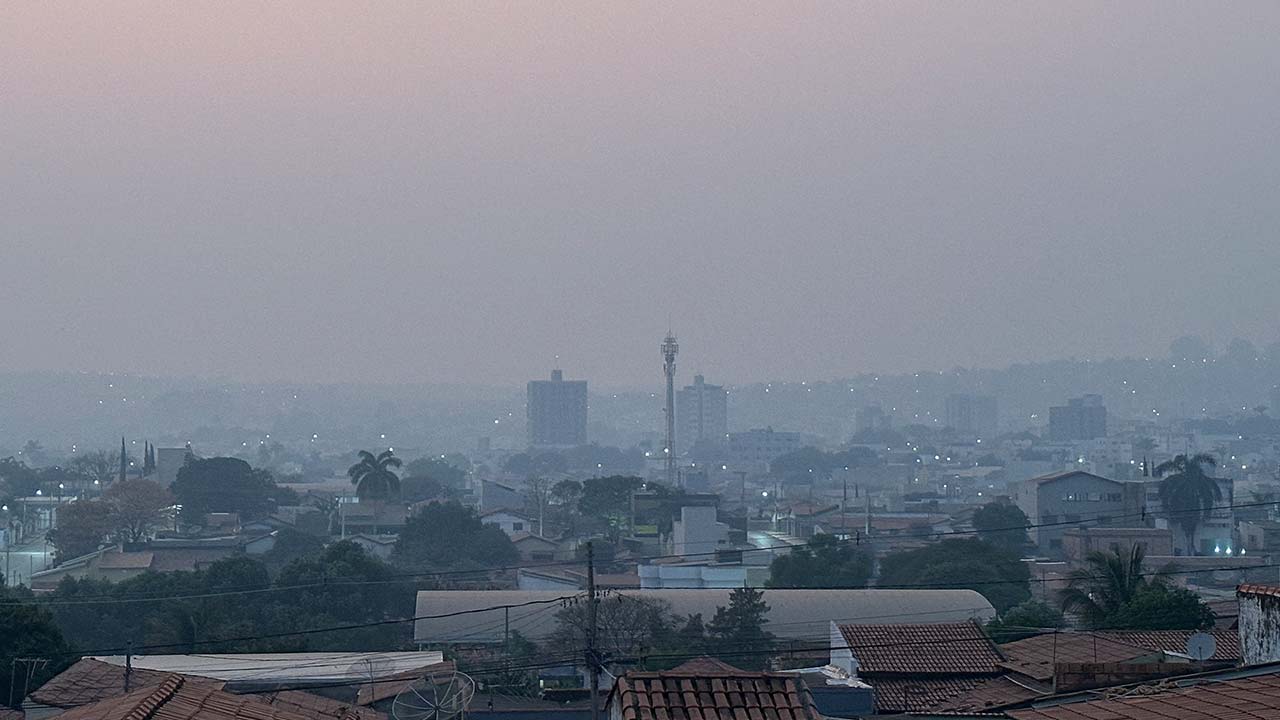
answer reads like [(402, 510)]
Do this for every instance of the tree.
[(27, 631), (566, 493), (431, 477), (607, 500), (224, 484), (1106, 583), (1002, 524), (96, 468), (972, 563), (626, 626), (124, 462), (537, 496), (137, 506), (446, 535), (1159, 606), (1024, 620), (1111, 592), (82, 526), (1188, 495), (737, 632), (373, 476), (824, 562)]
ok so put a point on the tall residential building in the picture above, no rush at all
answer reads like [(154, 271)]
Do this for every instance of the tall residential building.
[(702, 414), (870, 418), (557, 411), (972, 414), (1082, 418)]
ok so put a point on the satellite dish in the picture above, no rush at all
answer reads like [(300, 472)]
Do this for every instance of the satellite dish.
[(1201, 646), (438, 696)]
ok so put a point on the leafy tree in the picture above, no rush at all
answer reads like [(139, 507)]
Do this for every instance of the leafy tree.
[(82, 526), (737, 632), (373, 476), (566, 493), (292, 545), (444, 473), (1159, 606), (16, 479), (224, 484), (607, 500), (1111, 592), (543, 463), (809, 463), (823, 562), (1107, 581), (1002, 524), (1187, 495), (137, 506), (998, 574), (27, 630), (445, 535), (1023, 621)]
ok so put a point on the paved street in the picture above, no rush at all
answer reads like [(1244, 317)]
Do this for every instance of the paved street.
[(20, 560)]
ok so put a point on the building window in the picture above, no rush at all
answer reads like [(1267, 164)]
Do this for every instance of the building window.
[(517, 527), (1113, 497)]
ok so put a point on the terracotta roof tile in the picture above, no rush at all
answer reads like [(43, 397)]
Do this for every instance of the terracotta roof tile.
[(1254, 698), (907, 694), (937, 649), (178, 697), (1035, 656), (125, 560), (89, 681), (1258, 589), (1227, 641), (992, 694), (708, 692), (318, 706)]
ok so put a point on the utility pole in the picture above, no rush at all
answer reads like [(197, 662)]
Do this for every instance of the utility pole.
[(593, 661), (128, 666)]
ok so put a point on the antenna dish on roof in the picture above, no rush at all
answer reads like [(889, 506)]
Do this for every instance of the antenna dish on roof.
[(437, 696), (1201, 646)]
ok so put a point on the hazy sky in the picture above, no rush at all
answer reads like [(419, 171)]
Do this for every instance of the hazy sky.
[(460, 192)]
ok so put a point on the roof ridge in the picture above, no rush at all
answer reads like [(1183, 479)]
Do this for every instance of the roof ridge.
[(157, 697)]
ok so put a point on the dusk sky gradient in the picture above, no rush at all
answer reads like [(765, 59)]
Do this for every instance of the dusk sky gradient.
[(432, 192)]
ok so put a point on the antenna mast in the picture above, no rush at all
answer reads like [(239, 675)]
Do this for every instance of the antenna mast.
[(669, 350)]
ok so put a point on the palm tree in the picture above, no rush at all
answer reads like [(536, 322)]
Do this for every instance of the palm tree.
[(373, 477), (1188, 495), (1107, 581)]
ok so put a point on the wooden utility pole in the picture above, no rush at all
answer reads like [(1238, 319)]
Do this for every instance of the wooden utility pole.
[(593, 662)]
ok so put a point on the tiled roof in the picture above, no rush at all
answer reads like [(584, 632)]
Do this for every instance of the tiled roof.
[(181, 698), (906, 694), (318, 706), (1255, 698), (1035, 656), (89, 681), (1256, 589), (10, 714), (1227, 641), (992, 694), (939, 649), (1066, 474), (125, 560), (732, 695), (705, 665)]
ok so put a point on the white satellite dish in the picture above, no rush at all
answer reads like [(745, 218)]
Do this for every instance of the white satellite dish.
[(438, 696), (1201, 646)]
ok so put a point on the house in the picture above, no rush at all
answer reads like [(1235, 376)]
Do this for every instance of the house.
[(264, 672), (1078, 542), (371, 517), (379, 546), (496, 496), (1251, 693), (913, 667), (706, 688), (115, 563), (510, 521), (1054, 503), (178, 696), (86, 682), (533, 548)]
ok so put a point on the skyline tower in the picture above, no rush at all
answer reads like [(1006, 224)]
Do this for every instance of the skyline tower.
[(669, 350)]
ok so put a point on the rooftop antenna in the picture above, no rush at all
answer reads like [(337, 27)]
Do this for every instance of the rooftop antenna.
[(669, 350)]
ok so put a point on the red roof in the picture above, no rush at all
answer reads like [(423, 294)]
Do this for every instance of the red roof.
[(182, 698), (89, 681), (1227, 641), (1255, 698), (937, 649), (713, 695), (906, 694), (1256, 589), (992, 694), (1035, 656), (318, 706)]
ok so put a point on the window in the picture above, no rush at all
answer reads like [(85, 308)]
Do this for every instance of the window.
[(517, 526), (1113, 497)]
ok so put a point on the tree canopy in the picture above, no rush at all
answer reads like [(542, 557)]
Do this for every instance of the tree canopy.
[(824, 562), (224, 484), (1002, 524), (450, 535), (374, 475), (1188, 494), (1111, 591), (972, 563)]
